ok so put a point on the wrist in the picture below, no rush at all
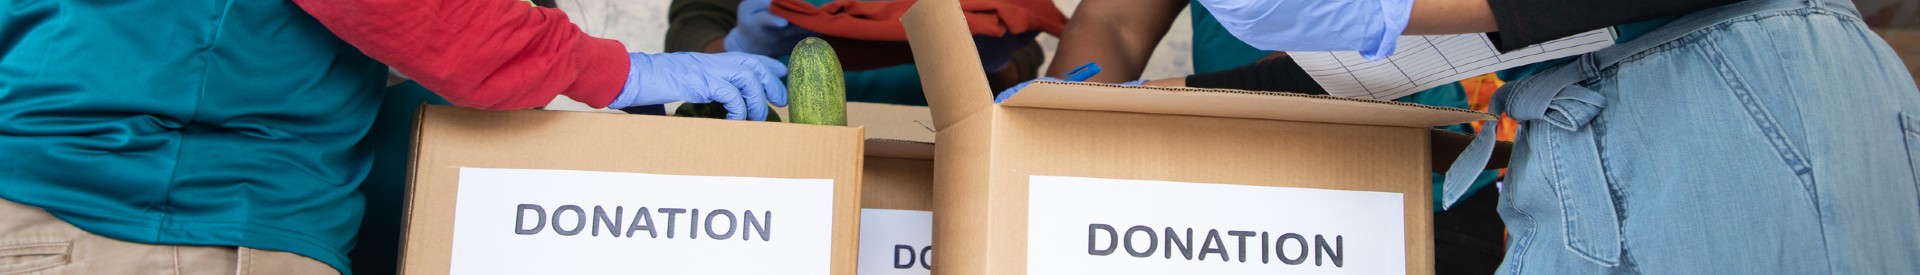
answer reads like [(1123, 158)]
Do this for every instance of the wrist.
[(599, 72), (717, 45), (1170, 82), (630, 93), (739, 42)]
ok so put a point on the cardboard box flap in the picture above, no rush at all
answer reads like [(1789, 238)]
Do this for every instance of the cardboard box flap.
[(949, 65), (899, 149), (1235, 104), (892, 122), (950, 71)]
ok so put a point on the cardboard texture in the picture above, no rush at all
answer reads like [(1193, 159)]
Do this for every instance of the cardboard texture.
[(987, 152), (897, 175), (902, 181), (898, 171), (449, 138)]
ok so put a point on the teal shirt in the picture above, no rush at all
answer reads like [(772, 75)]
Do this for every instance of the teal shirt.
[(1215, 49), (899, 84), (227, 123)]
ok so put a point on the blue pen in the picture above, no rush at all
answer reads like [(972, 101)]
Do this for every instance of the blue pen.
[(1083, 72)]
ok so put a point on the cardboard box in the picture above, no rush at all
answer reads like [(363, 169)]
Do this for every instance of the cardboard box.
[(896, 221), (896, 208), (613, 193), (1075, 178)]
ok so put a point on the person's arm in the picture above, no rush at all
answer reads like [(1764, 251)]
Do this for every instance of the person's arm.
[(1523, 23), (1526, 22), (1026, 66), (1119, 34), (487, 54), (699, 25)]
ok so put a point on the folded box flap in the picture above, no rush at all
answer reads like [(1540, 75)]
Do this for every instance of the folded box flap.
[(899, 149), (893, 122), (950, 69), (1235, 104)]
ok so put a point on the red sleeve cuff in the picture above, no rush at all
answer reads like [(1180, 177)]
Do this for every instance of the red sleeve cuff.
[(602, 65)]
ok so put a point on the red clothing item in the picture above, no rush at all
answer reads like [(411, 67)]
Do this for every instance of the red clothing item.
[(487, 54), (880, 21)]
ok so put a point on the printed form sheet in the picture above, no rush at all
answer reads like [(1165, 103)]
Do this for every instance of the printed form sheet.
[(1427, 61)]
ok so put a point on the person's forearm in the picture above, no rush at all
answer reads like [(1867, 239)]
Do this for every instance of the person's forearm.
[(1026, 66), (1118, 34), (718, 45), (1527, 22), (481, 54), (1432, 17), (1168, 82)]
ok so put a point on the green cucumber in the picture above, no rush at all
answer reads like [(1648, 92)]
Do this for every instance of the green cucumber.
[(816, 89)]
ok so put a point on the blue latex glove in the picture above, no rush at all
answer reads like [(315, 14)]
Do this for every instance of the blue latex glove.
[(1016, 87), (996, 53), (760, 32), (1076, 75), (1369, 26), (743, 83)]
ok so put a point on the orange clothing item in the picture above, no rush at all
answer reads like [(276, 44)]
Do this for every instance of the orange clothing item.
[(1480, 90), (880, 21)]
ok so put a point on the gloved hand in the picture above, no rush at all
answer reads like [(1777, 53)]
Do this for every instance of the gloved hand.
[(996, 53), (1369, 26), (1016, 87), (744, 83), (1081, 73), (761, 32)]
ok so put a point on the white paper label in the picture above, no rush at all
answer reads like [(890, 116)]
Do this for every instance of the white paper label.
[(520, 221), (1109, 226), (895, 241)]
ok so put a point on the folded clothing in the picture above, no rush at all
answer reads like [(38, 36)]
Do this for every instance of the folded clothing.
[(880, 21)]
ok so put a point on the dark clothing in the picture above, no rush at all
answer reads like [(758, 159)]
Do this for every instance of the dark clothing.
[(1279, 74), (1527, 22)]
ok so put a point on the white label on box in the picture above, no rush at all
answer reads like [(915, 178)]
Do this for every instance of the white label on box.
[(1109, 226), (521, 221), (895, 241)]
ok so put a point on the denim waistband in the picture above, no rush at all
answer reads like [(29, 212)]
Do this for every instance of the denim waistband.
[(1557, 110), (1554, 97)]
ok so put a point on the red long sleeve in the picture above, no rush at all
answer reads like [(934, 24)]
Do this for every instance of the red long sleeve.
[(487, 54)]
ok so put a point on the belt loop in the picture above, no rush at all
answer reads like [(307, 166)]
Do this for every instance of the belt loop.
[(1589, 67)]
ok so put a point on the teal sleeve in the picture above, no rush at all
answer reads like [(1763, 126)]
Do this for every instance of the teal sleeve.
[(892, 85), (1215, 49)]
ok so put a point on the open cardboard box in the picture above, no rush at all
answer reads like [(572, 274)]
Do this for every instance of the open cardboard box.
[(786, 194), (896, 198), (1078, 178)]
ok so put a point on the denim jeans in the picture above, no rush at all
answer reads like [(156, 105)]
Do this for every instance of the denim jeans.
[(1763, 137)]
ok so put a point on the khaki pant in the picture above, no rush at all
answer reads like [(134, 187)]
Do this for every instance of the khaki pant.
[(34, 242)]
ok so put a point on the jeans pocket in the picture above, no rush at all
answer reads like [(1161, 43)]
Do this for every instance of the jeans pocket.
[(1910, 126), (19, 258)]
